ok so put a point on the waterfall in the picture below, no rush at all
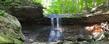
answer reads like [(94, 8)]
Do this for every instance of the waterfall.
[(55, 31), (57, 22), (52, 22)]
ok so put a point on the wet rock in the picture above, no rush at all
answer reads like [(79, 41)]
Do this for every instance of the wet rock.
[(10, 30)]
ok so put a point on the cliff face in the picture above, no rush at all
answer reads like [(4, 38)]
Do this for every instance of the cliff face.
[(32, 18), (31, 14), (35, 15)]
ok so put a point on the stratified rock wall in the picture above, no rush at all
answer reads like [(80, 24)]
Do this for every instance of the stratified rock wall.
[(28, 13)]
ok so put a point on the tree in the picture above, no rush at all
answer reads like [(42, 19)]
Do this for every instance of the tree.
[(69, 6)]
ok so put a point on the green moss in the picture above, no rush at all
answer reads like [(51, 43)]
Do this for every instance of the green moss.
[(10, 29), (2, 12)]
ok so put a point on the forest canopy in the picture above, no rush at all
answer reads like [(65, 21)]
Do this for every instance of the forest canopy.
[(58, 7), (68, 6)]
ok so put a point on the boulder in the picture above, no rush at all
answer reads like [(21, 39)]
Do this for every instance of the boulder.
[(10, 30)]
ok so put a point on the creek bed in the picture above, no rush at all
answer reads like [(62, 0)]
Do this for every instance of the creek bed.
[(38, 34)]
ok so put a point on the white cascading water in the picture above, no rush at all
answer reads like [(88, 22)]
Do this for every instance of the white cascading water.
[(56, 31)]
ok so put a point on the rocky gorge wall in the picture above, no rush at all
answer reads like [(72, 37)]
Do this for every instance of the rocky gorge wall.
[(35, 15), (36, 26)]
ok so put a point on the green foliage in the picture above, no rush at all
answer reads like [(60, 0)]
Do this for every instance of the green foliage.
[(69, 6), (2, 12), (7, 39), (6, 4), (54, 6), (38, 1)]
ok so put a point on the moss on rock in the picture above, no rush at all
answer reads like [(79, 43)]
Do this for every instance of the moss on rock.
[(10, 30)]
